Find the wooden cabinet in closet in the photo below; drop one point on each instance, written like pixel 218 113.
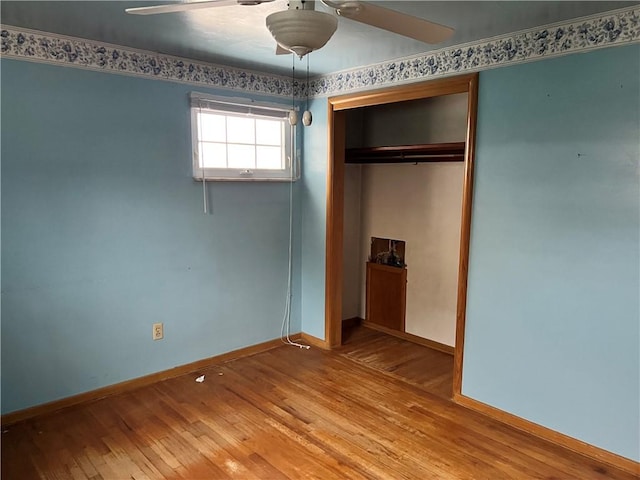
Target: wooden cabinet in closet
pixel 386 295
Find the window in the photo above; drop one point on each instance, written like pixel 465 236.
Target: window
pixel 240 141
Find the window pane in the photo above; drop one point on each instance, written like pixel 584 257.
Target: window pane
pixel 240 130
pixel 211 128
pixel 214 155
pixel 242 156
pixel 269 158
pixel 269 132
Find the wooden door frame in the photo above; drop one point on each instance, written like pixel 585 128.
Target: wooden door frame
pixel 338 107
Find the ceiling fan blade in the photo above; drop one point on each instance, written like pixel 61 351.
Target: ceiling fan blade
pixel 393 21
pixel 281 51
pixel 183 7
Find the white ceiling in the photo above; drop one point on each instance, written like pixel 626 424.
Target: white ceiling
pixel 237 35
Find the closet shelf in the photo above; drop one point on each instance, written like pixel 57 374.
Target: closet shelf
pixel 432 152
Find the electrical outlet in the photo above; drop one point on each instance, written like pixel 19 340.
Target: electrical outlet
pixel 158 331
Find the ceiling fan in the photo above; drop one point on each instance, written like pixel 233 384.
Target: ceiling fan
pixel 301 29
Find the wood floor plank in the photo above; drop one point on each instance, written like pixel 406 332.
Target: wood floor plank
pixel 375 409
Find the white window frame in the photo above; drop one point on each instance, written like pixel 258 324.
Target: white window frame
pixel 201 103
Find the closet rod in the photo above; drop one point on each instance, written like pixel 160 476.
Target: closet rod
pixel 432 152
pixel 409 158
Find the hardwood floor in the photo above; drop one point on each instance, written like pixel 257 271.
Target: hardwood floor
pixel 427 368
pixel 285 413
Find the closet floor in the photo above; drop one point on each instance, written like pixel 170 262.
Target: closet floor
pixel 422 366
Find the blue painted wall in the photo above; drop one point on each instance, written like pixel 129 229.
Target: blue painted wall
pixel 553 301
pixel 103 234
pixel 313 225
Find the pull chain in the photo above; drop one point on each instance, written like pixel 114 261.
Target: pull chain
pixel 293 115
pixel 307 118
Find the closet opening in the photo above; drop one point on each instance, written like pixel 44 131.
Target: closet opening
pixel 400 174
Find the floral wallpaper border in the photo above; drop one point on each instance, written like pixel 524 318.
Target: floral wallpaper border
pixel 25 44
pixel 616 27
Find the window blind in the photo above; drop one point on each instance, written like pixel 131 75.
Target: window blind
pixel 209 102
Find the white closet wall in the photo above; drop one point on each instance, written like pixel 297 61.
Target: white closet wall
pixel 420 204
pixel 433 120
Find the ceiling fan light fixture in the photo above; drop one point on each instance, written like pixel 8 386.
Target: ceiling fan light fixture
pixel 301 31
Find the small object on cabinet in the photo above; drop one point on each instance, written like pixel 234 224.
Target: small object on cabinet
pixel 387 251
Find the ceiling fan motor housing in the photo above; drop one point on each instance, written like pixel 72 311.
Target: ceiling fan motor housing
pixel 301 31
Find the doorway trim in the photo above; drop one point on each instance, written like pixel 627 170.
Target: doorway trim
pixel 337 113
